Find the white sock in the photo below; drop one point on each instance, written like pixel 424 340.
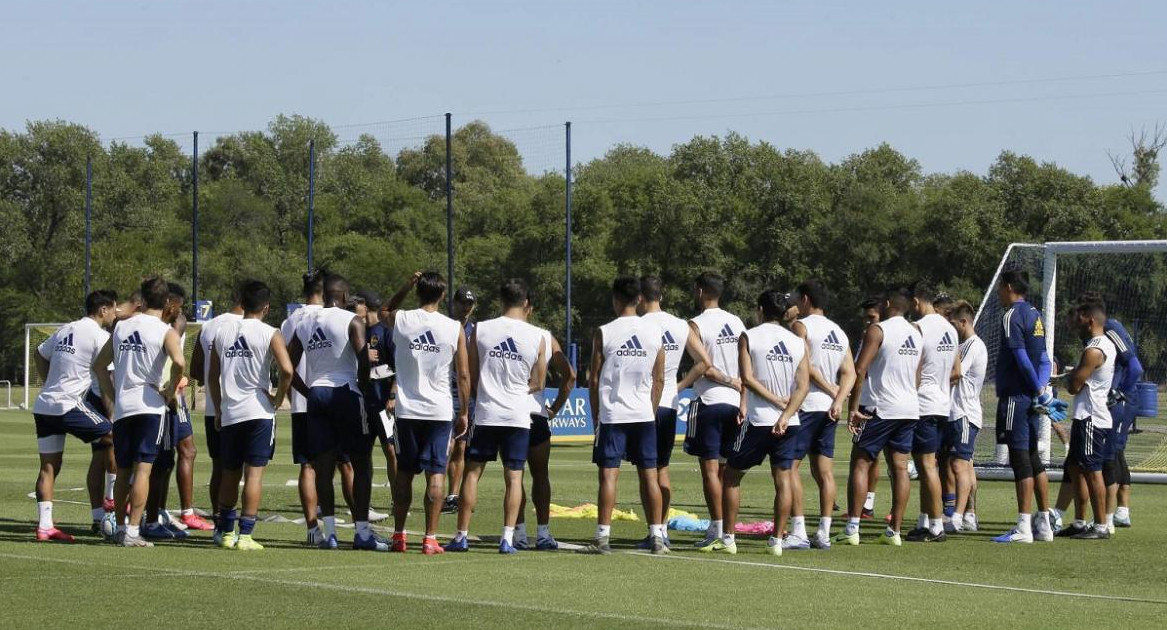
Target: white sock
pixel 922 521
pixel 603 531
pixel 1123 513
pixel 869 504
pixel 1025 523
pixel 188 511
pixel 329 525
pixel 798 526
pixel 659 530
pixel 97 513
pixel 773 542
pixel 543 531
pixel 363 529
pixel 890 532
pixel 508 535
pixel 1110 520
pixel 45 510
pixel 463 534
pixel 825 525
pixel 852 526
pixel 936 526
pixel 728 539
pixel 315 530
pixel 521 531
pixel 132 531
pixel 1079 523
pixel 715 529
pixel 319 511
pixel 110 478
pixel 958 520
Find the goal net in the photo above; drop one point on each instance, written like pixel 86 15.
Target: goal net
pixel 1132 277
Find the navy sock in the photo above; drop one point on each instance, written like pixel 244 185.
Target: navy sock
pixel 246 525
pixel 949 504
pixel 227 521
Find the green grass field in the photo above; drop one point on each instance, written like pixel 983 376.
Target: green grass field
pixel 967 582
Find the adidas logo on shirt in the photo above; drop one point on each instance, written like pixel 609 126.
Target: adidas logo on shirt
pixel 668 343
pixel 946 344
pixel 66 345
pixel 239 349
pixel 726 335
pixel 133 343
pixel 780 353
pixel 632 348
pixel 425 342
pixel 506 351
pixel 832 343
pixel 319 341
pixel 909 348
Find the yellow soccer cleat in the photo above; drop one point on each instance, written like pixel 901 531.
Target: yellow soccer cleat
pixel 246 543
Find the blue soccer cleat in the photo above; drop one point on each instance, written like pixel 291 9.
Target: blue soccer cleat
pixel 372 542
pixel 506 548
pixel 458 545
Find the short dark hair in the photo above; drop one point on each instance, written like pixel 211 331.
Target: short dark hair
pixel 335 286
pixel 313 283
pixel 1094 310
pixel 1016 279
pixel 814 290
pixel 626 289
pixel 155 293
pixel 899 299
pixel 711 284
pixel 651 288
pixel 135 296
pixel 773 304
pixel 962 310
pixel 431 286
pixel 1092 297
pixel 513 292
pixel 923 290
pixel 870 302
pixel 96 300
pixel 254 295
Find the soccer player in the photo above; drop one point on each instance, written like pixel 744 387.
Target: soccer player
pixel 65 363
pixel 1092 428
pixel 713 414
pixel 673 331
pixel 200 368
pixel 625 385
pixel 832 375
pixel 939 369
pixel 891 357
pixel 507 365
pixel 428 345
pixel 539 453
pixel 869 314
pixel 775 373
pixel 377 334
pixel 242 355
pixel 139 348
pixel 960 432
pixel 464 305
pixel 332 342
pixel 1022 383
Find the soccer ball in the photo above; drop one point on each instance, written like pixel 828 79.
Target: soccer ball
pixel 23 407
pixel 109 525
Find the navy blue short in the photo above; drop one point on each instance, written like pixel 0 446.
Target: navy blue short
pixel 878 433
pixel 960 437
pixel 177 428
pixel 628 441
pixel 98 405
pixel 212 437
pixel 816 434
pixel 666 435
pixel 299 437
pixel 1124 420
pixel 488 443
pixel 83 422
pixel 251 442
pixel 337 423
pixel 1088 445
pixel 182 425
pixel 1017 427
pixel 137 439
pixel 928 435
pixel 754 443
pixel 422 445
pixel 540 430
pixel 470 414
pixel 711 430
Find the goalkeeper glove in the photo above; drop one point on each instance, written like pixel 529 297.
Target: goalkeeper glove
pixel 1115 397
pixel 1057 410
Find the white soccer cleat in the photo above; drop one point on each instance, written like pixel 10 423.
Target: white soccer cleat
pixel 1042 532
pixel 1014 536
pixel 821 540
pixel 970 523
pixel 790 541
pixel 376 517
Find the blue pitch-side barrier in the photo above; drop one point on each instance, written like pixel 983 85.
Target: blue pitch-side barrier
pixel 574 422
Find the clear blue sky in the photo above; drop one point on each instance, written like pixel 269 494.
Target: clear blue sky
pixel 126 68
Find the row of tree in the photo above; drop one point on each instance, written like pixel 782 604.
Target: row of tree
pixel 760 215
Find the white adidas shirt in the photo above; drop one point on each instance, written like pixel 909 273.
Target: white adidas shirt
pixel 288 329
pixel 828 349
pixel 966 394
pixel 71 352
pixel 508 349
pixel 207 340
pixel 893 372
pixel 631 347
pixel 139 360
pixel 539 398
pixel 328 352
pixel 939 353
pixel 426 343
pixel 775 353
pixel 245 359
pixel 674 336
pixel 1090 401
pixel 719 331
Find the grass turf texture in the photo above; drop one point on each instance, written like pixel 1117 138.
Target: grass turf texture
pixel 95 585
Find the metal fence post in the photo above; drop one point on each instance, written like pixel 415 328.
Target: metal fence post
pixel 311 197
pixel 194 228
